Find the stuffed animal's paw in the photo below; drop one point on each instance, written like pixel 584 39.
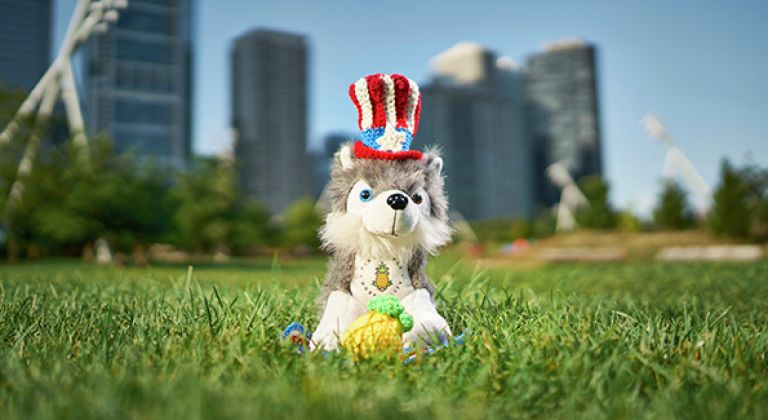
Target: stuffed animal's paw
pixel 430 328
pixel 340 311
pixel 324 340
pixel 427 322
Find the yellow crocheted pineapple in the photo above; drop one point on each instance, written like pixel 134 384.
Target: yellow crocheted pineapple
pixel 382 280
pixel 378 331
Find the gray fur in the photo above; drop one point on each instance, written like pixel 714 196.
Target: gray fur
pixel 341 267
pixel 405 175
pixel 416 271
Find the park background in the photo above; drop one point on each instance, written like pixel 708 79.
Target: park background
pixel 155 251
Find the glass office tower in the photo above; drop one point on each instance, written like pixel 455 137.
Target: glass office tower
pixel 269 112
pixel 25 42
pixel 473 110
pixel 563 116
pixel 138 79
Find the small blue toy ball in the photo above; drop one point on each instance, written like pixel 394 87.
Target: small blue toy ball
pixel 298 335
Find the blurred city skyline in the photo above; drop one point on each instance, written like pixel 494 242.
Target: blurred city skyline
pixel 699 68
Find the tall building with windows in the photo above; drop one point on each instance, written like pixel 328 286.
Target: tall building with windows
pixel 269 112
pixel 323 159
pixel 138 78
pixel 473 109
pixel 25 42
pixel 563 115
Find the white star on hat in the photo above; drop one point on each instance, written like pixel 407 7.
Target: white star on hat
pixel 391 140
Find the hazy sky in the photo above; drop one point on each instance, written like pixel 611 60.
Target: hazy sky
pixel 701 66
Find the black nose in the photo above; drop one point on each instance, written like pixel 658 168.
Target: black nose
pixel 397 201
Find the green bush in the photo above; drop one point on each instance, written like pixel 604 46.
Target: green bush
pixel 300 225
pixel 502 230
pixel 626 221
pixel 740 203
pixel 599 214
pixel 673 211
pixel 66 205
pixel 212 215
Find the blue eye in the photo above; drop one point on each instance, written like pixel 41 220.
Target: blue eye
pixel 366 195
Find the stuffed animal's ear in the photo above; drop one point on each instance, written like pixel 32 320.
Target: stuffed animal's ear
pixel 435 164
pixel 344 157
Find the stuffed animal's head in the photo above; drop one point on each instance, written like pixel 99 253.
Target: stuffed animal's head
pixel 387 201
pixel 386 208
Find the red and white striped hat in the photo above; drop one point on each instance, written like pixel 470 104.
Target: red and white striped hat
pixel 388 108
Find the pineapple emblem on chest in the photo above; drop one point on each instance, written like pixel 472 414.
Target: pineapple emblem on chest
pixel 382 280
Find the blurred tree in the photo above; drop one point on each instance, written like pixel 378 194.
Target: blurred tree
pixel 118 199
pixel 757 202
pixel 211 215
pixel 206 207
pixel 252 228
pixel 673 211
pixel 519 228
pixel 13 237
pixel 730 213
pixel 502 230
pixel 544 224
pixel 301 223
pixel 599 214
pixel 10 100
pixel 627 221
pixel 743 194
pixel 48 202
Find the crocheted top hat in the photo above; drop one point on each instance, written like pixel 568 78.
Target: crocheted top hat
pixel 388 108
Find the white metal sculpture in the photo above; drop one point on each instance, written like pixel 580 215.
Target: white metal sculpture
pixel 58 81
pixel 676 164
pixel 571 197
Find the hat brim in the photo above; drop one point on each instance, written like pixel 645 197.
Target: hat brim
pixel 364 152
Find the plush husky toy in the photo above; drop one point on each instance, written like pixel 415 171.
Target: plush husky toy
pixel 388 214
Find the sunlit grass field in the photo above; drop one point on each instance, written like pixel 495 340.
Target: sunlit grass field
pixel 645 340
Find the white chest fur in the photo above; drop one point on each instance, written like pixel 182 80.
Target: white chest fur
pixel 374 277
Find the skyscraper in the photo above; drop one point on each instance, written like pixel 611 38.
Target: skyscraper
pixel 473 110
pixel 25 42
pixel 269 112
pixel 563 117
pixel 324 158
pixel 138 78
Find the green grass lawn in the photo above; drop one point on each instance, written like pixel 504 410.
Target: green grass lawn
pixel 625 340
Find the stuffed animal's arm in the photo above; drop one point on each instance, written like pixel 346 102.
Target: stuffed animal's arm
pixel 416 271
pixel 427 322
pixel 340 310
